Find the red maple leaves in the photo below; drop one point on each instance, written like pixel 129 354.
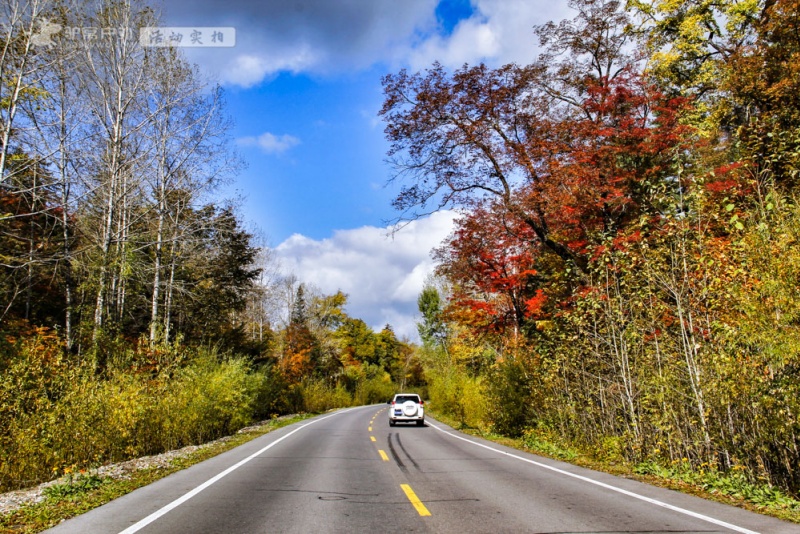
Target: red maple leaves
pixel 578 186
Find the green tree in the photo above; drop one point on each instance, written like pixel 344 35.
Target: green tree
pixel 433 329
pixel 221 275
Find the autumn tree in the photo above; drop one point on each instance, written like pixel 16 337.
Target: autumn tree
pixel 30 239
pixel 490 262
pixel 326 316
pixel 357 343
pixel 630 206
pixel 56 132
pixel 763 84
pixel 24 34
pixel 572 148
pixel 300 353
pixel 114 76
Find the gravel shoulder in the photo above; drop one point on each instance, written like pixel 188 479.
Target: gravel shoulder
pixel 14 500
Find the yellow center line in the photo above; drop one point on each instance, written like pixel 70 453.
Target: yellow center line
pixel 415 500
pixel 372 438
pixel 370 429
pixel 383 455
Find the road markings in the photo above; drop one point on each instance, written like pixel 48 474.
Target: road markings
pixel 383 455
pixel 370 429
pixel 604 485
pixel 415 500
pixel 180 500
pixel 372 438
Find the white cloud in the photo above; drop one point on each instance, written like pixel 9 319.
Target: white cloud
pixel 246 71
pixel 315 36
pixel 321 37
pixel 471 41
pixel 249 69
pixel 498 32
pixel 270 143
pixel 381 274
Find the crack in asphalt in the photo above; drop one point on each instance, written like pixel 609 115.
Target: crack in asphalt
pixel 327 492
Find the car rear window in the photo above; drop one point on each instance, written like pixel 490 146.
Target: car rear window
pixel 404 398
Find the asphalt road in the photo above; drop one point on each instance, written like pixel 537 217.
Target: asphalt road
pixel 350 472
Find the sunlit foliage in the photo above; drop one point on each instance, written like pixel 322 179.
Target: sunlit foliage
pixel 626 260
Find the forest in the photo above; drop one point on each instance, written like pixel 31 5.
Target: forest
pixel 623 278
pixel 139 313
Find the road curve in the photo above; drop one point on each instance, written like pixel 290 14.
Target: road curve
pixel 350 472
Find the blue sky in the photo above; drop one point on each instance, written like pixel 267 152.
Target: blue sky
pixel 303 88
pixel 322 168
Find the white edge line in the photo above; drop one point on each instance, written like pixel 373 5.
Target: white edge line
pixel 604 485
pixel 180 500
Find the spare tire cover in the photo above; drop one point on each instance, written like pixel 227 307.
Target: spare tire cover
pixel 409 408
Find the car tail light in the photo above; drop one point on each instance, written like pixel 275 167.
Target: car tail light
pixel 422 403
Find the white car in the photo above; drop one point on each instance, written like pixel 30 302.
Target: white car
pixel 406 407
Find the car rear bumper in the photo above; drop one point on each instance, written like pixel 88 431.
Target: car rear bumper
pixel 401 418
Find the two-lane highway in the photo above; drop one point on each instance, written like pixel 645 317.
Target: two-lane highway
pixel 350 472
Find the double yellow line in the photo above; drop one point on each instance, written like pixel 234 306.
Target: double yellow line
pixel 412 497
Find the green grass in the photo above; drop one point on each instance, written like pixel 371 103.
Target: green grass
pixel 81 493
pixel 732 484
pixel 73 487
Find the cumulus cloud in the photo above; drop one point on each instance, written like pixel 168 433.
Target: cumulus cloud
pixel 381 274
pixel 498 32
pixel 320 36
pixel 312 36
pixel 270 143
pixel 249 69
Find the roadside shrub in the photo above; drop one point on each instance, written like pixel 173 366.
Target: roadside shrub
pixel 545 442
pixel 319 397
pixel 58 415
pixel 375 390
pixel 274 396
pixel 509 392
pixel 100 420
pixel 36 377
pixel 733 482
pixel 461 396
pixel 208 399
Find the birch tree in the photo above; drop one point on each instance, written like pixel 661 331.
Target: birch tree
pixel 57 135
pixel 188 138
pixel 117 77
pixel 24 27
